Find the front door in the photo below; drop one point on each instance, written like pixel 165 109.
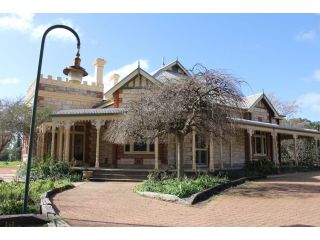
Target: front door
pixel 78 152
pixel 77 142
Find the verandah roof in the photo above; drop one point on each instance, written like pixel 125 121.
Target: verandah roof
pixel 277 128
pixel 89 111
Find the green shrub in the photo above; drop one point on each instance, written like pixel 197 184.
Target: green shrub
pixel 11 195
pixel 49 169
pixel 169 184
pixel 261 167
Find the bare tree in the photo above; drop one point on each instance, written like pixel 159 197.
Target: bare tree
pixel 287 108
pixel 205 102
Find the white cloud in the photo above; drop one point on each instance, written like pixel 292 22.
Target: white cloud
pixel 18 22
pixel 316 75
pixel 122 71
pixel 9 81
pixel 310 101
pixel 307 36
pixel 25 23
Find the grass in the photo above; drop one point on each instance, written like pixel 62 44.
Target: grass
pixel 182 188
pixel 4 164
pixel 11 195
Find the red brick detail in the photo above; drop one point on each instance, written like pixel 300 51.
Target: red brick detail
pixel 41 87
pixel 25 143
pixel 116 98
pixel 138 161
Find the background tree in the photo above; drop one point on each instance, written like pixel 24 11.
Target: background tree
pixel 205 102
pixel 287 108
pixel 305 146
pixel 15 118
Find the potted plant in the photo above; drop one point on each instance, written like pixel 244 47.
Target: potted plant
pixel 87 174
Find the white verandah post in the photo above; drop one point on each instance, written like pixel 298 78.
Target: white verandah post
pixel 194 163
pixel 316 149
pixel 53 138
pixel 98 124
pixel 295 136
pixel 250 133
pixel 67 126
pixel 211 160
pixel 275 147
pixel 156 153
pixel 60 142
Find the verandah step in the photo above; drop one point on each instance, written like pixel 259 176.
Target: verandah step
pixel 115 180
pixel 119 177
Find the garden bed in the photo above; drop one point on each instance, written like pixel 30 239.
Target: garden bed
pixel 187 190
pixel 181 188
pixel 11 195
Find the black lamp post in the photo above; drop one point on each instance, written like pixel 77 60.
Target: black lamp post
pixel 34 108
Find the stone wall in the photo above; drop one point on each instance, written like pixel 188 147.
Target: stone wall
pixel 57 94
pixel 140 160
pixel 233 159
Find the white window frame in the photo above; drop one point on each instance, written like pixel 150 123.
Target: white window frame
pixel 138 152
pixel 203 150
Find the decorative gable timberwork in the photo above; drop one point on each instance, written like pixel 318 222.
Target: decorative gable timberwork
pixel 259 108
pixel 131 89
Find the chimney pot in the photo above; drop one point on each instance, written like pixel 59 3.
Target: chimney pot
pixel 115 78
pixel 99 64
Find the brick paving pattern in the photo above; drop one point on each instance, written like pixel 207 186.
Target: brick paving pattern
pixel 290 200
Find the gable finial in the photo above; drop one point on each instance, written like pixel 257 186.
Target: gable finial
pixel 138 63
pixel 177 59
pixel 163 62
pixel 262 90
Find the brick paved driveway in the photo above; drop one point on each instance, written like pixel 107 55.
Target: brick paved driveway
pixel 8 173
pixel 291 200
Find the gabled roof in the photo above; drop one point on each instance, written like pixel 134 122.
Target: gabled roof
pixel 129 77
pixel 251 101
pixel 162 72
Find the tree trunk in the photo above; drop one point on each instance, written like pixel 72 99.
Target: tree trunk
pixel 180 159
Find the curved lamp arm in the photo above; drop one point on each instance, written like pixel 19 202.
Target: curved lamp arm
pixel 34 107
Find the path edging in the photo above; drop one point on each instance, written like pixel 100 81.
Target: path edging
pixel 200 196
pixel 47 209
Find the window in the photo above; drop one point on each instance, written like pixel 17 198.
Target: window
pixel 260 144
pixel 201 150
pixel 139 148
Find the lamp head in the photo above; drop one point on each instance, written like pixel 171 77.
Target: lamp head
pixel 75 72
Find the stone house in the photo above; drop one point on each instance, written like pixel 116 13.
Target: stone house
pixel 82 112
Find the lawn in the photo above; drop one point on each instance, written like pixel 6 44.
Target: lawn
pixel 9 164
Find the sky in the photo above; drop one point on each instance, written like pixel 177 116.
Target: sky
pixel 274 53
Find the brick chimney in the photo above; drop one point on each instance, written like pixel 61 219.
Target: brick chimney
pixel 99 64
